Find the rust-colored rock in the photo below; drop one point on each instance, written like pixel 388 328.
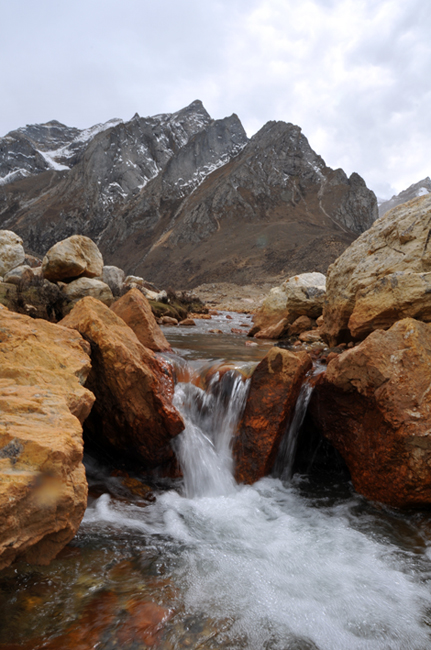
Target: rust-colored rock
pixel 374 405
pixel 43 490
pixel 302 324
pixel 275 386
pixel 187 322
pixel 273 331
pixel 135 310
pixel 313 336
pixel 134 388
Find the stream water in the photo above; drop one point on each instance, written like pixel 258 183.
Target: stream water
pixel 285 564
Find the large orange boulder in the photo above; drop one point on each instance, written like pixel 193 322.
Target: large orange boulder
pixel 135 310
pixel 274 389
pixel 133 413
pixel 43 490
pixel 374 405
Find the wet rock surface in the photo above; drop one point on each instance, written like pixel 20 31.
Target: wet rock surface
pixel 133 414
pixel 374 406
pixel 275 386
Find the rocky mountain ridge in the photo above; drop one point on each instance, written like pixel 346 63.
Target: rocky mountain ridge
pixel 183 199
pixel 416 189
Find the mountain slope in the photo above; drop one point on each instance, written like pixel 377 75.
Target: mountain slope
pixel 412 192
pixel 183 199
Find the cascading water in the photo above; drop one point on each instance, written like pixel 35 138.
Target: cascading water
pixel 204 447
pixel 284 569
pixel 272 566
pixel 283 466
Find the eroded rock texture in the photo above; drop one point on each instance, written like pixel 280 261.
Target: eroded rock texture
pixel 43 490
pixel 384 276
pixel 133 413
pixel 135 310
pixel 182 199
pixel 374 405
pixel 275 386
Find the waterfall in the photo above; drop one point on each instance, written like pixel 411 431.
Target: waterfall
pixel 283 466
pixel 204 447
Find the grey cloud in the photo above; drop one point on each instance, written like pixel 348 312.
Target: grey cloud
pixel 86 62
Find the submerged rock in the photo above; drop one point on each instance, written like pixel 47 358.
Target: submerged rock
pixel 275 386
pixel 43 490
pixel 135 310
pixel 384 276
pixel 133 413
pixel 73 257
pixel 374 405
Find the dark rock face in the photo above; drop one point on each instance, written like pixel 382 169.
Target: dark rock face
pixel 417 189
pixel 183 199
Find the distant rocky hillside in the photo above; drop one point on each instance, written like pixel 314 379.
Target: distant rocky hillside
pixel 181 198
pixel 417 189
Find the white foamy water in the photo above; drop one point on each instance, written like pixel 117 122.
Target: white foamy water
pixel 284 571
pixel 277 569
pixel 204 447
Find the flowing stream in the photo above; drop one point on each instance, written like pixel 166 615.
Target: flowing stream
pixel 284 564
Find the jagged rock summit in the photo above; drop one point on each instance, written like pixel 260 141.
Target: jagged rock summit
pixel 183 199
pixel 421 188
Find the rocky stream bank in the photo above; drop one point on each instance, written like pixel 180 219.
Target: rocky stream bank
pixel 92 358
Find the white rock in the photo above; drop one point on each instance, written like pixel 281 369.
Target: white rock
pixel 11 251
pixel 135 280
pixel 300 295
pixel 88 287
pixel 76 256
pixel 19 274
pixel 113 277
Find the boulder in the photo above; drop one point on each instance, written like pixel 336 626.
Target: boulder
pixel 133 414
pixel 19 274
pixel 135 280
pixel 384 276
pixel 114 278
pixel 273 331
pixel 83 287
pixel 11 251
pixel 374 405
pixel 187 322
pixel 305 295
pixel 301 324
pixel 168 320
pixel 274 389
pixel 135 310
pixel 76 256
pixel 43 490
pixel 300 295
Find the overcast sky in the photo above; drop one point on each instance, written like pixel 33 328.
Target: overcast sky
pixel 355 75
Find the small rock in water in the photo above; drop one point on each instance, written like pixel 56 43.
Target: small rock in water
pixel 237 330
pixel 167 320
pixel 215 331
pixel 187 322
pixel 251 344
